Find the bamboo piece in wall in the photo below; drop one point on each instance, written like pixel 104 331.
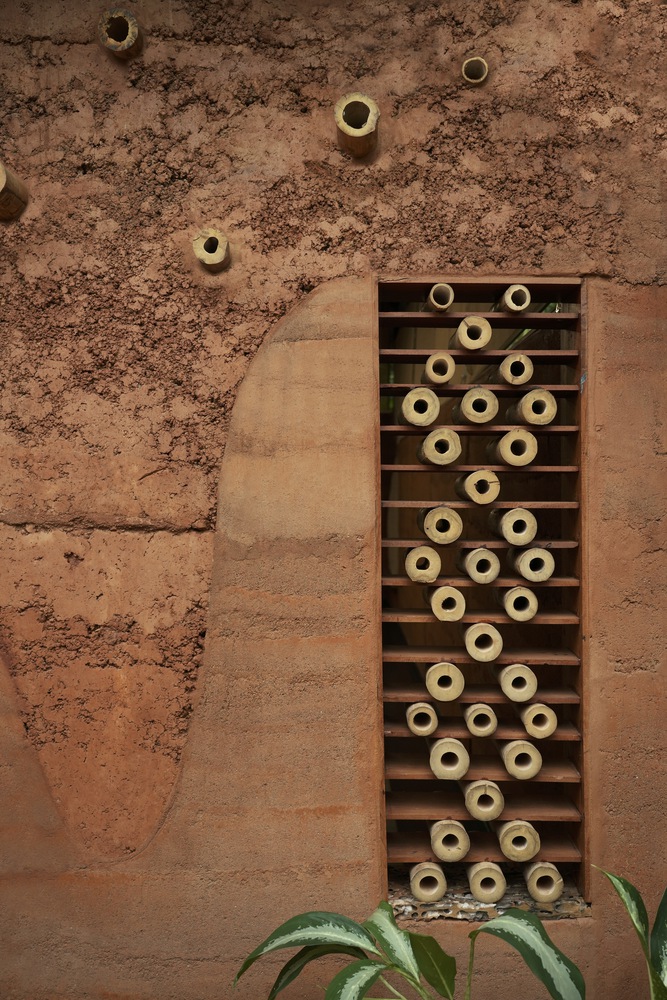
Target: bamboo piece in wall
pixel 520 603
pixel 518 839
pixel 487 882
pixel 423 564
pixel 539 720
pixel 521 759
pixel 422 718
pixel 449 840
pixel 544 881
pixel 449 759
pixel 445 681
pixel 441 525
pixel 516 526
pixel 517 681
pixel 427 882
pixel 480 719
pixel 483 800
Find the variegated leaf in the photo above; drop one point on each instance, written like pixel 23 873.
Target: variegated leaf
pixel 634 904
pixel 659 941
pixel 298 962
pixel 436 966
pixel 524 932
pixel 316 928
pixel 394 942
pixel 354 981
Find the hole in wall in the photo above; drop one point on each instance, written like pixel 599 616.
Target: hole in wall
pixel 211 244
pixel 356 114
pixel 118 28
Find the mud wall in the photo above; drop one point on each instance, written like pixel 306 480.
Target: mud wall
pixel 122 360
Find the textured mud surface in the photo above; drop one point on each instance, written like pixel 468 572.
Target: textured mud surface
pixel 121 358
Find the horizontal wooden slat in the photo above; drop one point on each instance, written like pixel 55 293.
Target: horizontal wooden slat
pixel 421 803
pixel 449 389
pixel 490 543
pixel 489 428
pixel 465 581
pixel 498 320
pixel 456 469
pixel 566 732
pixel 495 617
pixel 409 692
pixel 496 505
pixel 422 654
pixel 416 768
pixel 415 847
pixel 401 286
pixel 408 355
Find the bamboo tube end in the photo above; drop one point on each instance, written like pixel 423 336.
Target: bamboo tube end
pixel 439 368
pixel 441 447
pixel 518 447
pixel 515 299
pixel 543 881
pixel 519 840
pixel 481 487
pixel 441 525
pixel 447 604
pixel 483 642
pixel 427 882
pixel 521 759
pixel 517 526
pixel 211 248
pixel 538 407
pixel 472 334
pixel 420 407
pixel 540 721
pixel 475 70
pixel 516 369
pixel 449 759
pixel 13 194
pixel 119 33
pixel 480 719
pixel 445 681
pixel 487 882
pixel 449 840
pixel 520 604
pixel 535 565
pixel 423 564
pixel 357 117
pixel 518 682
pixel 484 800
pixel 481 565
pixel 421 718
pixel 477 406
pixel 440 297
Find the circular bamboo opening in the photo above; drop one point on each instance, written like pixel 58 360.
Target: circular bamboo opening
pixel 356 116
pixel 483 642
pixel 520 604
pixel 441 447
pixel 427 882
pixel 516 369
pixel 487 882
pixel 211 248
pixel 482 486
pixel 544 882
pixel 423 564
pixel 440 297
pixel 472 334
pixel 447 603
pixel 439 368
pixel 421 718
pixel 518 682
pixel 521 759
pixel 420 407
pixel 449 840
pixel 475 70
pixel 445 681
pixel 484 800
pixel 480 719
pixel 518 839
pixel 449 759
pixel 535 565
pixel 441 524
pixel 540 721
pixel 119 33
pixel 515 299
pixel 477 406
pixel 481 565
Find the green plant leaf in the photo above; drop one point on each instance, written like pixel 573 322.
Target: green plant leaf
pixel 634 904
pixel 436 966
pixel 298 962
pixel 659 941
pixel 394 942
pixel 354 980
pixel 524 932
pixel 316 928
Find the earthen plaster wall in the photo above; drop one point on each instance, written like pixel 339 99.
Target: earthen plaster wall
pixel 128 868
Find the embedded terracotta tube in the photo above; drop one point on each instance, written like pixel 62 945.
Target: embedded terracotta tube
pixel 516 369
pixel 481 565
pixel 440 297
pixel 427 882
pixel 543 881
pixel 535 565
pixel 444 681
pixel 449 759
pixel 519 840
pixel 472 334
pixel 357 116
pixel 483 642
pixel 419 407
pixel 540 721
pixel 537 407
pixel 478 406
pixel 441 447
pixel 480 719
pixel 211 247
pixel 517 526
pixel 423 564
pixel 487 882
pixel 515 299
pixel 482 486
pixel 484 800
pixel 449 840
pixel 520 603
pixel 441 525
pixel 13 194
pixel 422 718
pixel 521 759
pixel 517 447
pixel 447 603
pixel 439 368
pixel 475 70
pixel 517 682
pixel 119 33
